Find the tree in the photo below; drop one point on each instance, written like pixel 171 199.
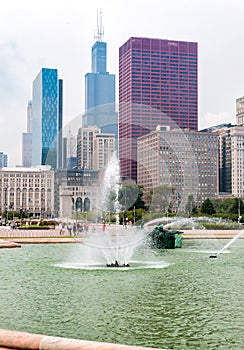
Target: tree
pixel 237 206
pixel 130 196
pixel 162 198
pixel 207 207
pixel 190 205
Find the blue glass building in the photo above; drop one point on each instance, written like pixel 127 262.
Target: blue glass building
pixel 100 93
pixel 100 85
pixel 47 119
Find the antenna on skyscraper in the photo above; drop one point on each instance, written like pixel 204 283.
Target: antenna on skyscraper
pixel 100 28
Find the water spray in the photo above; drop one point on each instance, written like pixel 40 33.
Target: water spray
pixel 227 245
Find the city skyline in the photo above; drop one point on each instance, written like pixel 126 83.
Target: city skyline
pixel 60 36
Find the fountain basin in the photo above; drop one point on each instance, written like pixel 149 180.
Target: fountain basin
pixel 23 340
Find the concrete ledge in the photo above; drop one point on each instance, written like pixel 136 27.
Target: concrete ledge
pixel 44 240
pixel 14 340
pixel 8 244
pixel 20 340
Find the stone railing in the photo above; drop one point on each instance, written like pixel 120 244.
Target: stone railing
pixel 14 340
pixel 8 233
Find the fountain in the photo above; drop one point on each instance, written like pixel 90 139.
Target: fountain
pixel 116 242
pixel 213 256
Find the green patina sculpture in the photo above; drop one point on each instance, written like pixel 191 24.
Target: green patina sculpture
pixel 161 238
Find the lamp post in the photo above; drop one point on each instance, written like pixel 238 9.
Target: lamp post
pixel 239 210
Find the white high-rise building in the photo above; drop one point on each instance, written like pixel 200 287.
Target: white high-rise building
pixel 94 149
pixel 231 155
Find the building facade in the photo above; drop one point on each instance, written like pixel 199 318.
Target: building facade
pixel 186 161
pixel 26 149
pixel 27 139
pixel 231 155
pixel 70 151
pixel 76 190
pixel 94 149
pixel 3 160
pixel 27 189
pixel 47 119
pixel 158 85
pixel 104 148
pixel 240 111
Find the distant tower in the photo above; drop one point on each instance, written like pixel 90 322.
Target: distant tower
pixel 27 139
pixel 100 88
pixel 3 160
pixel 47 119
pixel 29 117
pixel 71 150
pixel 240 111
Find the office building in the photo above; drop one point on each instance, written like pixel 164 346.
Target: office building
pixel 158 85
pixel 47 119
pixel 186 161
pixel 240 111
pixel 94 148
pixel 3 160
pixel 231 160
pixel 100 90
pixel 69 151
pixel 27 139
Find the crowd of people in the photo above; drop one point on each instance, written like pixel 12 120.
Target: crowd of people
pixel 73 229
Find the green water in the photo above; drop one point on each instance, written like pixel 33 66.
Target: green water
pixel 193 303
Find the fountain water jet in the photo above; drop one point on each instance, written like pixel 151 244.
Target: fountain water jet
pixel 116 243
pixel 227 245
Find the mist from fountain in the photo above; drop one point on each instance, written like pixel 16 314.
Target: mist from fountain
pixel 117 243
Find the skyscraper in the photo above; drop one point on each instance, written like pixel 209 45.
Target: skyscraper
pixel 94 149
pixel 3 160
pixel 240 111
pixel 47 119
pixel 27 139
pixel 100 90
pixel 158 85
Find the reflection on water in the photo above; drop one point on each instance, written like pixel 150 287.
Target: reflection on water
pixel 188 302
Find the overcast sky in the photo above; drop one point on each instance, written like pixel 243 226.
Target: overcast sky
pixel 59 34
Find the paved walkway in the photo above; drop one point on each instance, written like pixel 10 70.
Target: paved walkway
pixel 13 238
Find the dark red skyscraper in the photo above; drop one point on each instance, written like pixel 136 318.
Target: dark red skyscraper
pixel 157 86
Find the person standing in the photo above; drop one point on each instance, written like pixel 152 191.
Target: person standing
pixel 103 225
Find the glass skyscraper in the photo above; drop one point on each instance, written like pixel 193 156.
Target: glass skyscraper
pixel 158 85
pixel 3 160
pixel 47 119
pixel 100 93
pixel 100 85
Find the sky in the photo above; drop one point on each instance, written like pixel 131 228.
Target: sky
pixel 60 33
